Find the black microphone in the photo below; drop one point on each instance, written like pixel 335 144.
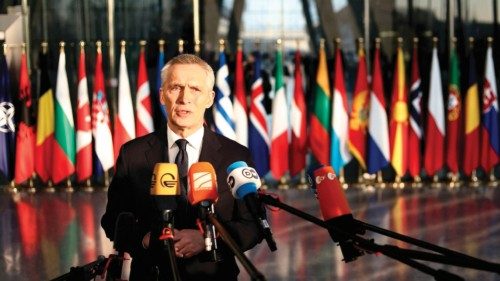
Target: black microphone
pixel 203 192
pixel 244 182
pixel 119 268
pixel 336 211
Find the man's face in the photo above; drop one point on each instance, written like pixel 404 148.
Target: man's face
pixel 186 95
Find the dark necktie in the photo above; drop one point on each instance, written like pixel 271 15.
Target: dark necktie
pixel 181 160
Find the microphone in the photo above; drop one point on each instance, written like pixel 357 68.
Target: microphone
pixel 244 182
pixel 120 266
pixel 336 211
pixel 165 190
pixel 202 191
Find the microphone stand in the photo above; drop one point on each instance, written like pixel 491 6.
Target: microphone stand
pixel 403 255
pixel 167 236
pixel 250 268
pixel 86 272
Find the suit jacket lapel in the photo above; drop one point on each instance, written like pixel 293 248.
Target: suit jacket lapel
pixel 210 149
pixel 157 151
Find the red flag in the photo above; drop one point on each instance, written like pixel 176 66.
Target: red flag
pixel 83 125
pixel 298 147
pixel 434 135
pixel 415 132
pixel 240 101
pixel 25 139
pixel 124 126
pixel 144 109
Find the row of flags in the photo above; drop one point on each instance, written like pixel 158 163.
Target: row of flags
pixel 61 145
pixel 375 135
pixel 371 130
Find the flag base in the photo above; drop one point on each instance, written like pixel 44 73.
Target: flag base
pixel 436 182
pixel 302 181
pixel 88 186
pixel 417 182
pixel 474 179
pixel 398 183
pixel 494 182
pixel 283 185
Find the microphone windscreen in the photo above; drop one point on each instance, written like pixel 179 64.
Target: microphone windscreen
pixel 242 180
pixel 331 196
pixel 124 230
pixel 202 183
pixel 165 180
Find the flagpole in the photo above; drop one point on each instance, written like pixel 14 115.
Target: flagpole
pixel 88 186
pixel 380 180
pixel 31 184
pixel 474 179
pixel 302 181
pixel 196 24
pixel 12 187
pixel 180 44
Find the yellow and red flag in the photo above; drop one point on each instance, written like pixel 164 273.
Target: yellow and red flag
pixel 398 126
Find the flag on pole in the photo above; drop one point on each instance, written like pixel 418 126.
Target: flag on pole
pixel 83 124
pixel 25 137
pixel 240 101
pixel 258 141
pixel 435 132
pixel 415 133
pixel 490 148
pixel 64 146
pixel 101 130
pixel 280 123
pixel 45 121
pixel 319 134
pixel 378 132
pixel 161 63
pixel 144 110
pixel 7 127
pixel 124 127
pixel 398 126
pixel 454 112
pixel 223 107
pixel 339 155
pixel 472 120
pixel 358 119
pixel 298 114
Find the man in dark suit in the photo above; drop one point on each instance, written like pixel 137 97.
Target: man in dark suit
pixel 186 92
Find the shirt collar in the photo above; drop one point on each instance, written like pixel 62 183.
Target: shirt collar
pixel 194 140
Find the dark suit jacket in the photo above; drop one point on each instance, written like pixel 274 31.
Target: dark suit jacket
pixel 129 191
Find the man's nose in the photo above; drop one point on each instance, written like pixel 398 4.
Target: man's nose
pixel 183 96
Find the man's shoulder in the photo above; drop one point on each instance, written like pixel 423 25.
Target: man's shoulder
pixel 141 143
pixel 229 144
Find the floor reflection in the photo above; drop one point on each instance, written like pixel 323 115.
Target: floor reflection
pixel 43 235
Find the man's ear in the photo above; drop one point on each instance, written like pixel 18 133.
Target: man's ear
pixel 211 99
pixel 162 101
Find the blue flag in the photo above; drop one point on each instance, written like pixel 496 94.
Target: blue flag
pixel 7 128
pixel 258 141
pixel 161 63
pixel 223 106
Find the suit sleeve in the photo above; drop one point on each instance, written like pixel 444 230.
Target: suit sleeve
pixel 120 199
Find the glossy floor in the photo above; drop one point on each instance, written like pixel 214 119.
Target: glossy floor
pixel 43 235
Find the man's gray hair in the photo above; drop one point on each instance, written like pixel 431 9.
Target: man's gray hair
pixel 189 59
